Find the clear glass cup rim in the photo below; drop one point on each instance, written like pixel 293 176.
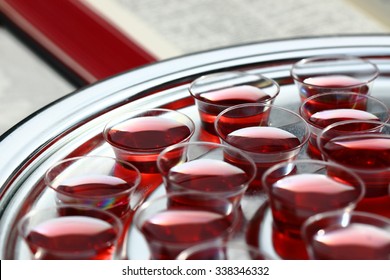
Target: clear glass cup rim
pixel 212 145
pixel 369 97
pixel 319 163
pixel 125 117
pixel 340 218
pixel 143 207
pixel 345 217
pixel 138 176
pixel 331 126
pixel 271 106
pixel 114 220
pixel 233 74
pixel 335 57
pixel 220 245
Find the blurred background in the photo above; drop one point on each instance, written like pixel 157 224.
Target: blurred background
pixel 167 28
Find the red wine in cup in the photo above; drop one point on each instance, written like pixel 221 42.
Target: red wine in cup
pixel 210 102
pixel 73 237
pixel 103 191
pixel 320 84
pixel 370 152
pixel 208 176
pixel 140 140
pixel 297 197
pixel 327 117
pixel 324 118
pixel 262 140
pixel 355 242
pixel 288 247
pixel 171 231
pixel 329 101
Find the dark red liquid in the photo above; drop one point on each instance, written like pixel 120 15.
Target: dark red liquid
pixel 324 118
pixel 331 101
pixel 73 237
pixel 262 140
pixel 140 140
pixel 354 242
pixel 205 136
pixel 321 84
pixel 208 176
pixel 287 247
pixel 297 197
pixel 225 253
pixel 368 151
pixel 102 191
pixel 224 98
pixel 169 232
pixel 365 152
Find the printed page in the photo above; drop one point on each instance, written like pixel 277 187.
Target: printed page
pixel 173 27
pixel 379 10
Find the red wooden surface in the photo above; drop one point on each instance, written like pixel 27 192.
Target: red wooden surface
pixel 78 37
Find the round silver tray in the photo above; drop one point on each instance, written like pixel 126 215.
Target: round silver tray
pixel 72 125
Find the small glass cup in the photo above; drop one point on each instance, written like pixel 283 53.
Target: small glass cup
pixel 364 147
pixel 140 136
pixel 174 222
pixel 71 232
pixel 214 93
pixel 222 251
pixel 321 74
pixel 324 109
pixel 302 188
pixel 102 182
pixel 208 168
pixel 269 134
pixel 345 235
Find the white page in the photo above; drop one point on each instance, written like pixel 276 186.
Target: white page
pixel 172 27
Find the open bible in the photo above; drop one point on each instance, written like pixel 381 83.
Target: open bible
pixel 94 39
